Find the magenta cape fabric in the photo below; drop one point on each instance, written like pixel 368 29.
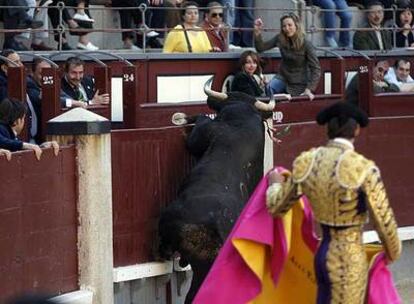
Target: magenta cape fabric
pixel 230 280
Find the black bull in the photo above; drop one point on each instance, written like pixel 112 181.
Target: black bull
pixel 230 149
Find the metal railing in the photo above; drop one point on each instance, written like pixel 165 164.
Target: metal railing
pixel 144 28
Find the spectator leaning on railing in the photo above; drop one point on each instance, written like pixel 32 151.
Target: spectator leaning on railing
pixel 12 120
pixel 78 90
pixel 12 56
pixel 299 68
pixel 376 39
pixel 188 37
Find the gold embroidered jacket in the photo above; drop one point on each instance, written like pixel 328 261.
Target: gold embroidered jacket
pixel 342 186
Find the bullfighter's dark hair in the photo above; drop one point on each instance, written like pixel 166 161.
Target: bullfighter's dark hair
pixel 256 58
pixel 76 61
pixel 346 130
pixel 6 53
pixel 11 109
pixel 185 5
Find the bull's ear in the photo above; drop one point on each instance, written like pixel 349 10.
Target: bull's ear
pixel 215 104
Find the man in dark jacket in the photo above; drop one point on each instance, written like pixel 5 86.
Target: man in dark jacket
pixel 78 89
pixel 375 39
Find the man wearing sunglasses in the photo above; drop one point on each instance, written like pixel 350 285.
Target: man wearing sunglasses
pixel 379 82
pixel 214 26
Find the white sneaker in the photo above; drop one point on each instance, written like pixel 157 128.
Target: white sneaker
pixel 83 17
pixel 151 34
pixel 234 47
pixel 45 2
pixel 88 47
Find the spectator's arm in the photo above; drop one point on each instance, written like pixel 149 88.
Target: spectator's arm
pixel 12 145
pixel 314 66
pixel 262 46
pixel 68 102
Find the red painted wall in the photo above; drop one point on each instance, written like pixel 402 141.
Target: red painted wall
pixel 148 166
pixel 38 221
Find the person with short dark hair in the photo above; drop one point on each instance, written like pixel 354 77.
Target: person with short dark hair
pixel 188 37
pixel 12 56
pixel 343 188
pixel 404 18
pixel 214 26
pixel 376 39
pixel 79 90
pixel 249 79
pixel 12 120
pixel 399 75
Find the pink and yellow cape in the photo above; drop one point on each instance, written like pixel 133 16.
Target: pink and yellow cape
pixel 270 260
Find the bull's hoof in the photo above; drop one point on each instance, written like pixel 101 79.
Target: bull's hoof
pixel 179 119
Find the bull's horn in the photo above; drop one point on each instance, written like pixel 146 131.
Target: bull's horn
pixel 209 92
pixel 264 106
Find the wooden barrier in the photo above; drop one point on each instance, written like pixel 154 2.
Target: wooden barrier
pixel 38 223
pixel 16 88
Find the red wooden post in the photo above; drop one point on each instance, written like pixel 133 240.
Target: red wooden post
pixel 16 88
pixel 51 106
pixel 365 90
pixel 130 94
pixel 16 82
pixel 102 76
pixel 338 76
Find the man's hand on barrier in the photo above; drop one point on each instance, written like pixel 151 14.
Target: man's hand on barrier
pixel 35 148
pixel 100 99
pixel 6 153
pixel 308 93
pixel 51 144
